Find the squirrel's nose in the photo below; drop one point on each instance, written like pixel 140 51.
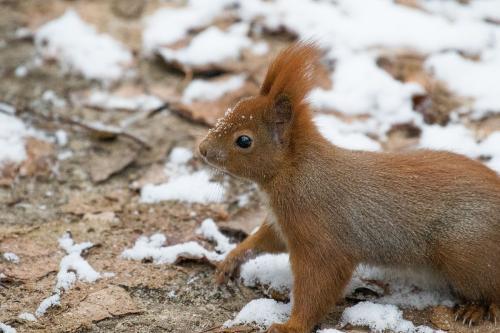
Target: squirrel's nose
pixel 203 148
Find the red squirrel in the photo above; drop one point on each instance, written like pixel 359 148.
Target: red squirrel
pixel 332 208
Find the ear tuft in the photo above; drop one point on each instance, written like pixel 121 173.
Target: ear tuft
pixel 292 72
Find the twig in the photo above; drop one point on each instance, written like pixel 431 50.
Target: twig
pixel 88 127
pixel 118 132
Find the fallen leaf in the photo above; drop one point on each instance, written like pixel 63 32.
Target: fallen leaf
pixel 37 259
pixel 154 175
pixel 245 219
pixel 487 126
pixel 33 269
pixel 401 137
pixel 105 303
pixel 8 173
pixel 40 158
pixel 130 9
pixel 110 159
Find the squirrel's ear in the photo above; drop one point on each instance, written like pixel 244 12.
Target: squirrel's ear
pixel 281 117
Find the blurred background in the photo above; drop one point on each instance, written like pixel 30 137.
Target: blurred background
pixel 102 104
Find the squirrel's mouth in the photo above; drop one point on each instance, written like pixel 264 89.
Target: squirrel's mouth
pixel 217 165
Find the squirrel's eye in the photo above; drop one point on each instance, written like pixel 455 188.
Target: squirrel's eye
pixel 244 141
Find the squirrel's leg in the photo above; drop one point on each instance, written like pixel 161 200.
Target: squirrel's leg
pixel 266 239
pixel 317 286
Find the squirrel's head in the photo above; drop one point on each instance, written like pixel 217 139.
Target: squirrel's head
pixel 260 134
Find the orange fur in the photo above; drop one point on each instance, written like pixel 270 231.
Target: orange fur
pixel 333 208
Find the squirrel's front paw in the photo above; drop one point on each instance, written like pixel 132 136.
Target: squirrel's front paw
pixel 228 268
pixel 282 328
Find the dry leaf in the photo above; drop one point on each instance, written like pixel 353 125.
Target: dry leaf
pixel 154 175
pixel 109 160
pixel 8 173
pixel 130 9
pixel 487 126
pixel 106 303
pixel 246 220
pixel 402 137
pixel 40 158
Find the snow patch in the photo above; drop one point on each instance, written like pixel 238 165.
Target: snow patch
pixel 385 99
pixel 168 25
pixel 12 134
pixel 349 136
pixel 61 137
pixel 6 328
pixel 180 156
pixel 210 231
pixel 71 268
pixel 12 257
pixel 193 188
pixel 184 185
pixel 380 317
pixel 405 288
pixel 104 100
pixel 211 46
pixel 272 270
pixel 152 248
pixel 459 139
pixel 48 303
pixel 206 90
pixel 479 80
pixel 262 312
pixel 94 55
pixel 27 316
pixel 355 25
